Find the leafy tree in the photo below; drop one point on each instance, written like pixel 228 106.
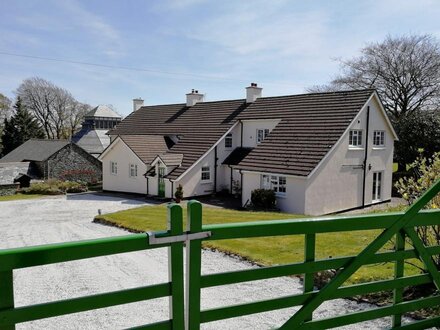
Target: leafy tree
pixel 405 71
pixel 55 109
pixel 21 127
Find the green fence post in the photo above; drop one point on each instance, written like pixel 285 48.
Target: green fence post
pixel 6 295
pixel 175 268
pixel 309 255
pixel 193 264
pixel 398 273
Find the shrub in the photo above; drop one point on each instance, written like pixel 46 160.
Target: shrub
pixel 263 199
pixel 426 173
pixel 179 192
pixel 55 187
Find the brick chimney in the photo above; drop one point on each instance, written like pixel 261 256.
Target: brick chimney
pixel 253 92
pixel 137 103
pixel 193 98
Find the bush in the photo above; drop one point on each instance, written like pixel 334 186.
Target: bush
pixel 263 199
pixel 55 187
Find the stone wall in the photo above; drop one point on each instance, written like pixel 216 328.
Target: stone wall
pixel 73 163
pixel 8 189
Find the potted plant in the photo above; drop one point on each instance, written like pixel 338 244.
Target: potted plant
pixel 178 194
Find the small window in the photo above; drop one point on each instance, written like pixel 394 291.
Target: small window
pixel 355 138
pixel 262 134
pixel 206 173
pixel 276 183
pixel 133 170
pixel 379 138
pixel 228 141
pixel 114 168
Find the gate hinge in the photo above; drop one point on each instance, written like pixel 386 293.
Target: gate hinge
pixel 153 240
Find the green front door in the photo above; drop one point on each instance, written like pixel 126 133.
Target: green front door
pixel 161 190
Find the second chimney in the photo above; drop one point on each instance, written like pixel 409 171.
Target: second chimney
pixel 137 104
pixel 193 98
pixel 253 92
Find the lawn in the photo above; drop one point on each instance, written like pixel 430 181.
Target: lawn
pixel 265 251
pixel 18 197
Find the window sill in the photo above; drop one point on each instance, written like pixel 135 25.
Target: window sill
pixel 356 148
pixel 280 195
pixel 379 148
pixel 205 182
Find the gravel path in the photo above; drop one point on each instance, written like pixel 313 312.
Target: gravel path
pixel 61 219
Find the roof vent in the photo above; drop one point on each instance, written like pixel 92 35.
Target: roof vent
pixel 253 92
pixel 193 98
pixel 137 104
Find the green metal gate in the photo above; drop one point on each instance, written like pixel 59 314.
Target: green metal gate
pixel 187 313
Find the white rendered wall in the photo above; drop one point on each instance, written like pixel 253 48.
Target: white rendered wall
pixel 123 156
pixel 250 130
pixel 337 184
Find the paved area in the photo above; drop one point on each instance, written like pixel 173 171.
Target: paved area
pixel 61 219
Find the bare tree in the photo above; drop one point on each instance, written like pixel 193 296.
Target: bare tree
pixel 52 106
pixel 77 112
pixel 404 70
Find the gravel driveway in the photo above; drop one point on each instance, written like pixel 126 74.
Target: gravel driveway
pixel 61 219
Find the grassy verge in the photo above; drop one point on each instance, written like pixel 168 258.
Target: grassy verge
pixel 18 197
pixel 264 251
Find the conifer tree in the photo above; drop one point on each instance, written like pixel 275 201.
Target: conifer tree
pixel 21 127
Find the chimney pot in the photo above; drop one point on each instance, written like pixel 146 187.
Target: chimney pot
pixel 137 104
pixel 253 93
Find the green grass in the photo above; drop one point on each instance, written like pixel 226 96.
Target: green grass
pixel 268 250
pixel 18 197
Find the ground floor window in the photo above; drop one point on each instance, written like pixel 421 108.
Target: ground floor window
pixel 275 182
pixel 206 173
pixel 377 186
pixel 133 170
pixel 114 168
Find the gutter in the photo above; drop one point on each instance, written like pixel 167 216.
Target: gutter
pixel 365 156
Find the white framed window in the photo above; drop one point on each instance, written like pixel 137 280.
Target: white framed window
pixel 228 141
pixel 262 134
pixel 379 138
pixel 133 170
pixel 275 182
pixel 377 187
pixel 206 173
pixel 355 138
pixel 114 168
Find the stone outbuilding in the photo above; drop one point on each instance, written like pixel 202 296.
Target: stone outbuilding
pixel 57 159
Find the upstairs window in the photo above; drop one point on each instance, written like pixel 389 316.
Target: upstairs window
pixel 228 141
pixel 355 138
pixel 379 138
pixel 114 168
pixel 206 173
pixel 262 134
pixel 133 170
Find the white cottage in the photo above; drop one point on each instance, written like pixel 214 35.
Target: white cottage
pixel 320 152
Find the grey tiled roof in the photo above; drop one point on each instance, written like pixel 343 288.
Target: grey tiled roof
pixel 35 150
pixel 146 147
pixel 93 141
pixel 102 111
pixel 10 171
pixel 310 124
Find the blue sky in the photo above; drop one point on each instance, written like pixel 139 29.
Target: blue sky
pixel 217 47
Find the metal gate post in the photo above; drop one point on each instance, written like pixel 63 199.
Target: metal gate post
pixel 175 268
pixel 193 266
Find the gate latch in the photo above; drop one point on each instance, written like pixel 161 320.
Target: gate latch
pixel 153 240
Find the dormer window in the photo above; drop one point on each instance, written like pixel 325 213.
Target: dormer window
pixel 262 134
pixel 355 138
pixel 228 141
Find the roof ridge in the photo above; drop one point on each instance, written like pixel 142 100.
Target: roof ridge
pixel 321 93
